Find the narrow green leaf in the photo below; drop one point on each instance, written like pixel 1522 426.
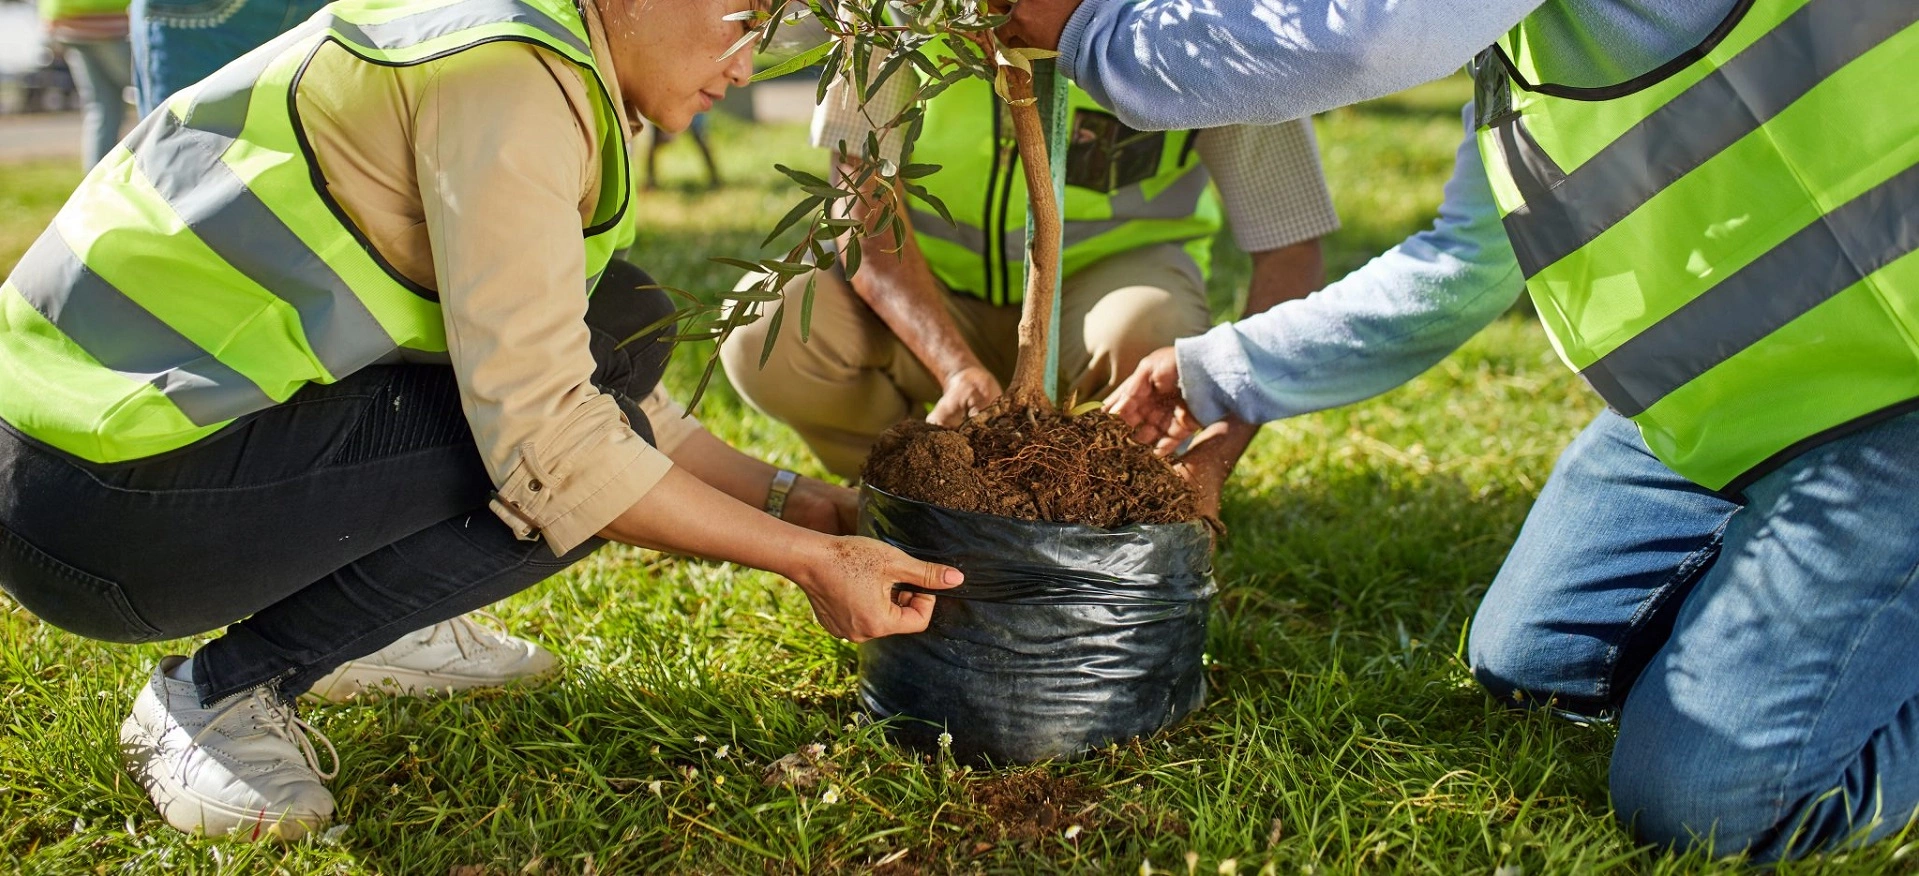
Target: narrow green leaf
pixel 833 192
pixel 806 309
pixel 772 334
pixel 785 268
pixel 931 200
pixel 831 68
pixel 739 44
pixel 742 264
pixel 699 389
pixel 851 256
pixel 796 63
pixel 799 176
pixel 799 211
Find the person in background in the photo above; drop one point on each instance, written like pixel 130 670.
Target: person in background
pixel 660 138
pixel 936 323
pixel 1711 202
pixel 92 36
pixel 328 358
pixel 179 42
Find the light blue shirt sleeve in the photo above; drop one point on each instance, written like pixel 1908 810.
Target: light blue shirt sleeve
pixel 1377 328
pixel 1167 64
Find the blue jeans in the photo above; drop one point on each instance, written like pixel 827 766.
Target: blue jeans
pixel 317 531
pixel 1762 660
pixel 102 70
pixel 179 42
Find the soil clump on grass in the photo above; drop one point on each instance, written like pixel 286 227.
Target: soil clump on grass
pixel 1032 464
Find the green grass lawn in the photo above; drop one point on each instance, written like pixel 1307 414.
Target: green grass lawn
pixel 1343 735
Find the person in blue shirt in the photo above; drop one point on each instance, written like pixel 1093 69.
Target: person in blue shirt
pixel 1758 656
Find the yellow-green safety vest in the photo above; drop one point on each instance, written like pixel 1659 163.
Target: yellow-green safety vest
pixel 202 272
pixel 1724 246
pixel 1125 189
pixel 55 10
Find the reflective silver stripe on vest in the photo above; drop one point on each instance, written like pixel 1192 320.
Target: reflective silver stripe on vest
pixel 411 30
pixel 1703 121
pixel 220 105
pixel 123 336
pixel 1822 260
pixel 184 166
pixel 1178 200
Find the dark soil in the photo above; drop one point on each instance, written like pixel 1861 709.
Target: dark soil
pixel 1033 464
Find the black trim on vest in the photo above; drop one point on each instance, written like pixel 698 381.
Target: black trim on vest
pixel 1186 149
pixel 318 178
pixel 1638 83
pixel 1736 491
pixel 987 247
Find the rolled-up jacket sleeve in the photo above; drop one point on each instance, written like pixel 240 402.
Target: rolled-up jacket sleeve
pixel 505 151
pixel 1378 327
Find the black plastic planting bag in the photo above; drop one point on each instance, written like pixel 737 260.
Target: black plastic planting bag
pixel 1063 638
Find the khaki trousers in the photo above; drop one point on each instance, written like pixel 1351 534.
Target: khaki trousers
pixel 853 378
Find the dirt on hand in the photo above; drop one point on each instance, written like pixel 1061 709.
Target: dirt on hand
pixel 1033 464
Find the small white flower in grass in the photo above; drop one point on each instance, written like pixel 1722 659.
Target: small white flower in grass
pixel 1072 831
pixel 700 739
pixel 946 741
pixel 831 796
pixel 656 786
pixel 1192 862
pixel 721 754
pixel 1229 867
pixel 816 751
pixel 719 780
pixel 1145 867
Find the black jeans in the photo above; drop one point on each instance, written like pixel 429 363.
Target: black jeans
pixel 321 529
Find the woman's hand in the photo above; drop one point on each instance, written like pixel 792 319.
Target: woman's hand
pixel 823 507
pixel 853 585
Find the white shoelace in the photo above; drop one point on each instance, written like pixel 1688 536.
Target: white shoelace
pixel 463 631
pixel 280 721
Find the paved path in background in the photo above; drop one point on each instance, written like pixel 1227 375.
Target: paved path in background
pixel 39 135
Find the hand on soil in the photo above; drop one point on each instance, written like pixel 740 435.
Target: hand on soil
pixel 967 392
pixel 1150 402
pixel 853 586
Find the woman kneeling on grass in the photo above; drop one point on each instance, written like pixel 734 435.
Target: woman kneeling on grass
pixel 312 354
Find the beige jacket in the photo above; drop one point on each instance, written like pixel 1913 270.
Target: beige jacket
pixel 471 175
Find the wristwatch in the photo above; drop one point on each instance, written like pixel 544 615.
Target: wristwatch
pixel 783 482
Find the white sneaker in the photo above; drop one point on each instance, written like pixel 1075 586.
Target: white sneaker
pixel 244 767
pixel 454 655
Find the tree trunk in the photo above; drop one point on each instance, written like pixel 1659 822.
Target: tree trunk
pixel 1028 386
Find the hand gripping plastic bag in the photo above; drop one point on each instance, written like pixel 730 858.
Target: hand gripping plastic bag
pixel 1063 638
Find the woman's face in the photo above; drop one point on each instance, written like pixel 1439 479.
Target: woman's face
pixel 668 53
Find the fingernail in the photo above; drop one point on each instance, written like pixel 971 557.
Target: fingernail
pixel 953 577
